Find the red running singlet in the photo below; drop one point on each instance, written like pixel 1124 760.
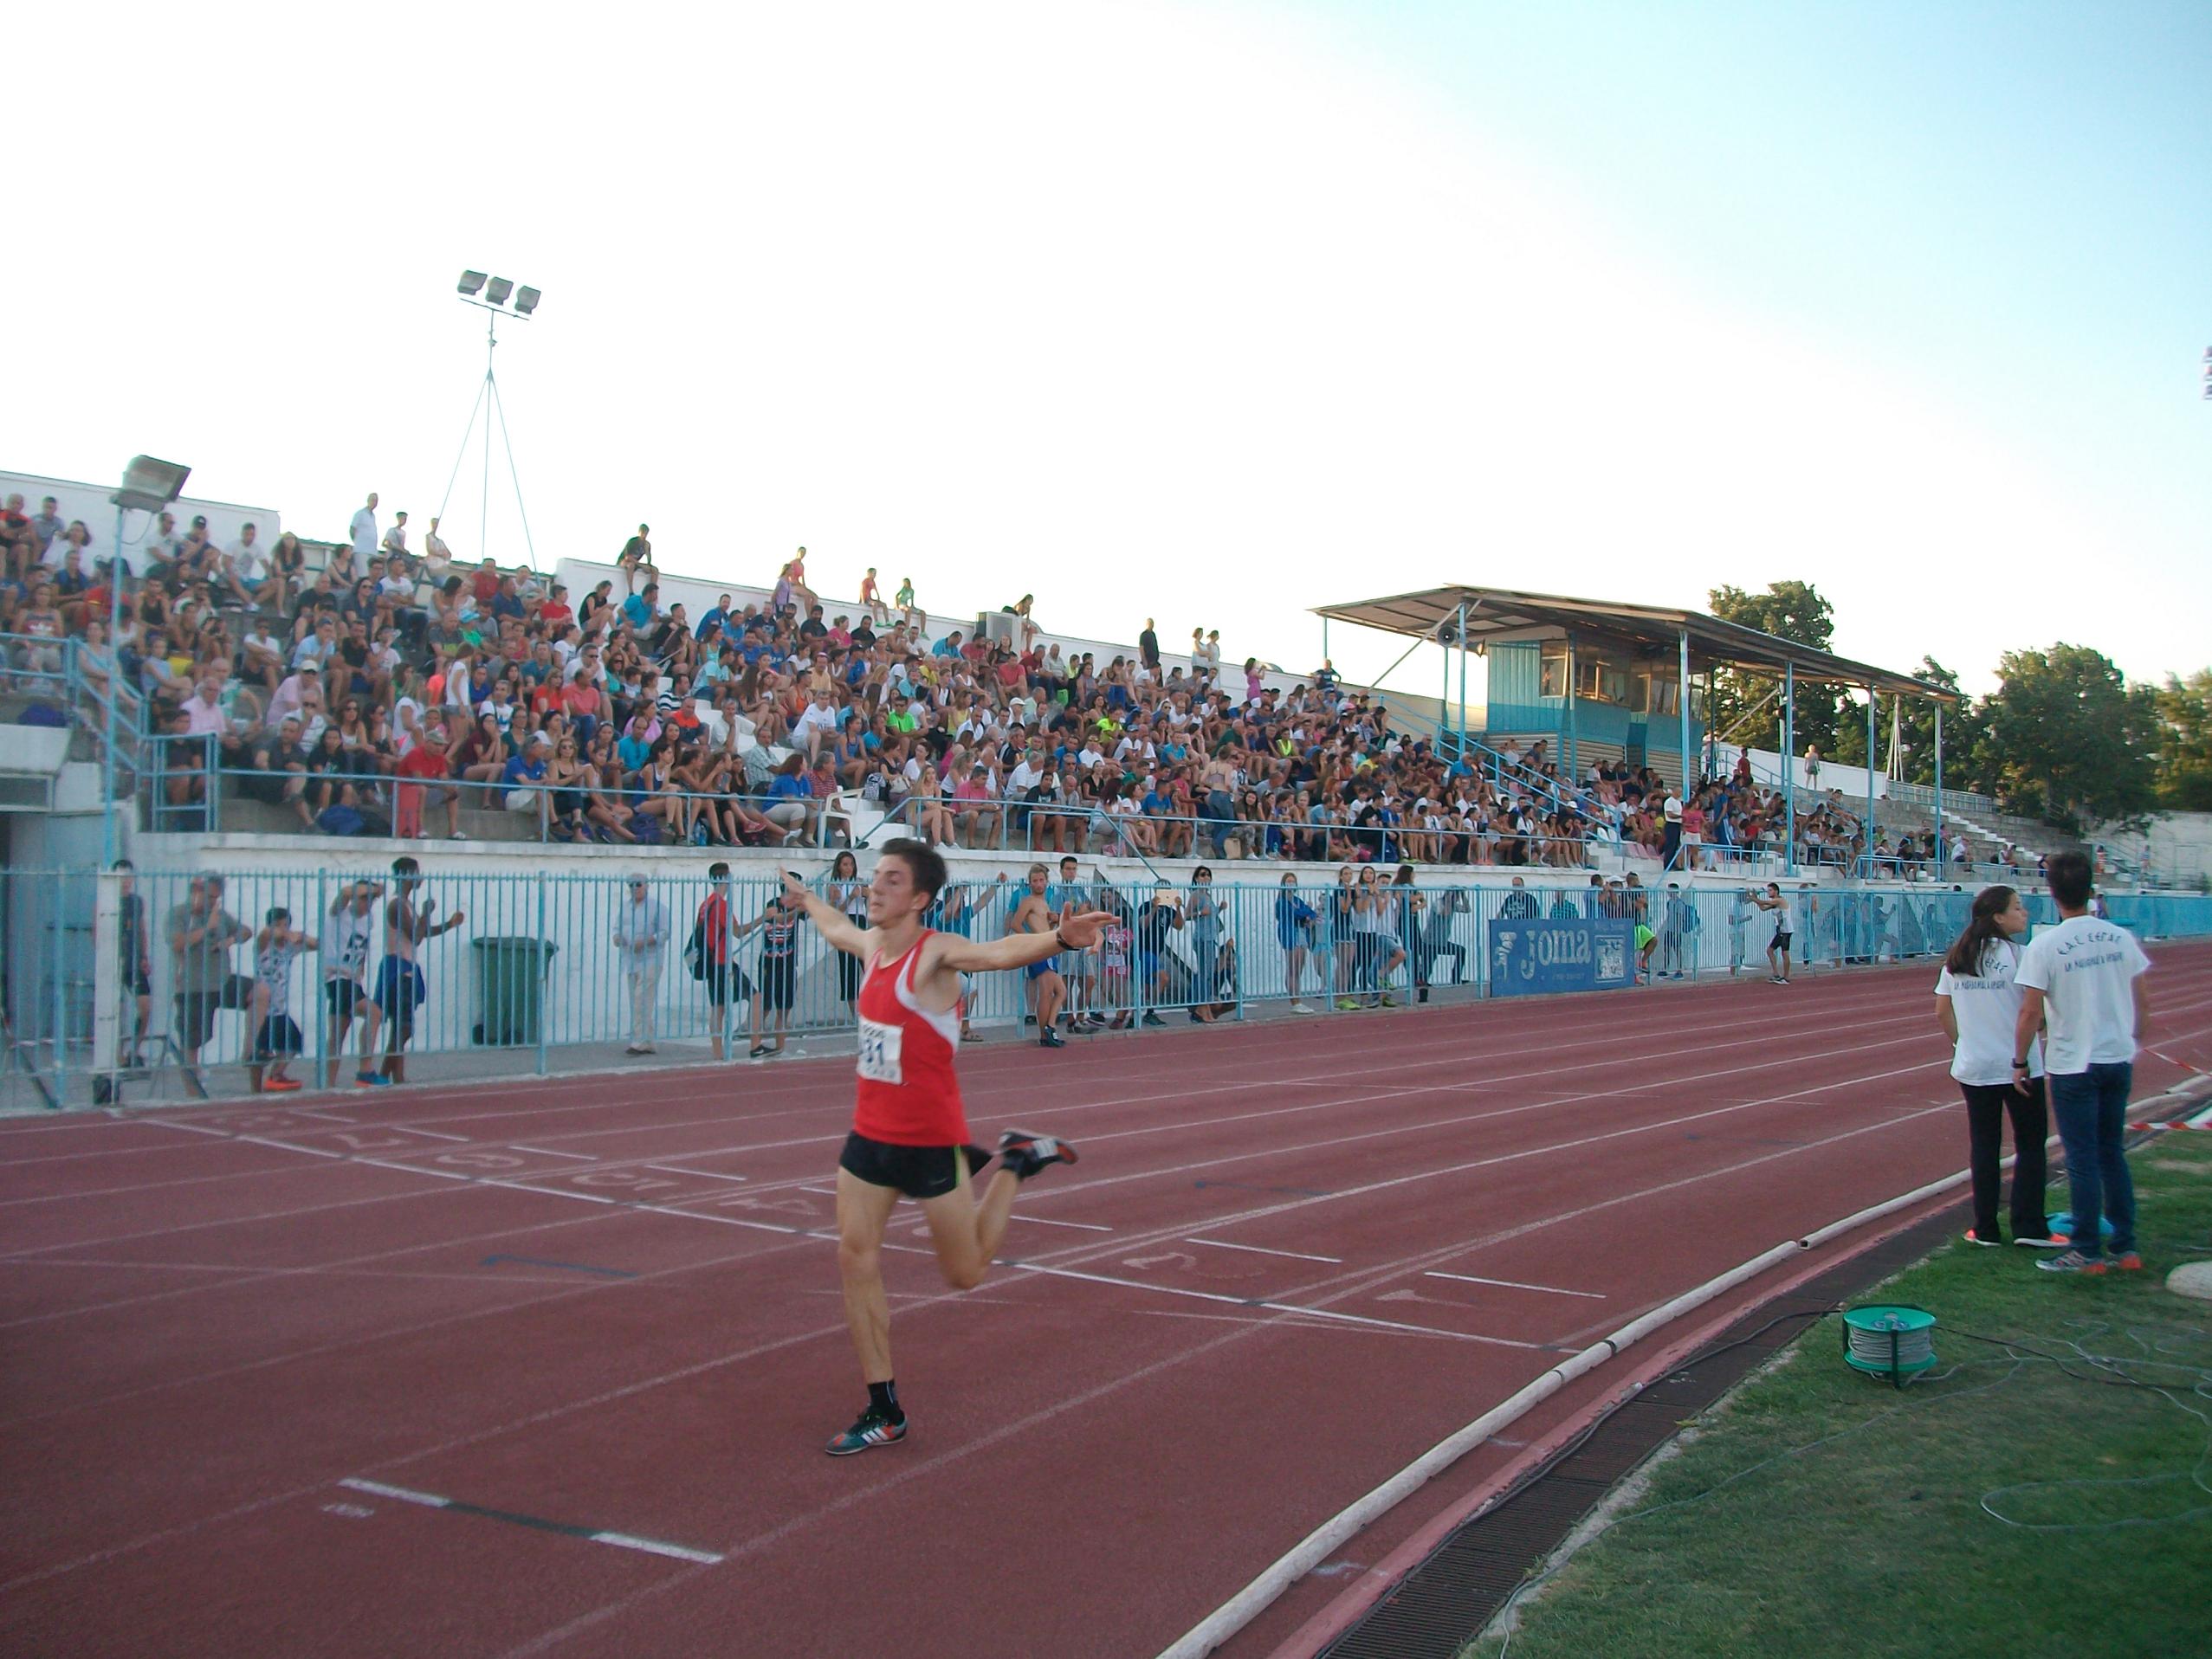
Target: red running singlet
pixel 909 1094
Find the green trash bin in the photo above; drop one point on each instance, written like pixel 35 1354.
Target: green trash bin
pixel 509 981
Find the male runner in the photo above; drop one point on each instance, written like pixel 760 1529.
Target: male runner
pixel 910 1129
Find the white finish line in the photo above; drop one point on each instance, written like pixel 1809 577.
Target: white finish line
pixel 536 1523
pixel 1515 1284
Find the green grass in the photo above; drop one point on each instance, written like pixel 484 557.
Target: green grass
pixel 1876 1543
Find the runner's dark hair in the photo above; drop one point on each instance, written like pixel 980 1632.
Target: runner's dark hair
pixel 922 863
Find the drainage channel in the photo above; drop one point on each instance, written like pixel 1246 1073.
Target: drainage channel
pixel 1443 1604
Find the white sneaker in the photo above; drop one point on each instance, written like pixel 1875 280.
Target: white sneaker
pixel 1301 1008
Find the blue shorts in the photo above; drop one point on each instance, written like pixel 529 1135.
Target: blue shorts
pixel 1050 965
pixel 400 990
pixel 1147 964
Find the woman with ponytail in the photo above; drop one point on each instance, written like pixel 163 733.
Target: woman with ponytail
pixel 1978 1005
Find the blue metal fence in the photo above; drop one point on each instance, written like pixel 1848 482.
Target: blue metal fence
pixel 194 975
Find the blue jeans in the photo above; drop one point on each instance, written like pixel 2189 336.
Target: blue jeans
pixel 2091 1107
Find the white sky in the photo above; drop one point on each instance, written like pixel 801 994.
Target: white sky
pixel 1147 309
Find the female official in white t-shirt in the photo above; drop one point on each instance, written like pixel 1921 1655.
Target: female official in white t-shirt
pixel 1977 1005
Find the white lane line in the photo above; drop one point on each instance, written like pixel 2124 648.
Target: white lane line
pixel 702 1175
pixel 1046 1221
pixel 654 1546
pixel 820 1192
pixel 378 1488
pixel 547 1151
pixel 1256 1249
pixel 1273 1306
pixel 435 1135
pixel 1516 1284
pixel 619 1541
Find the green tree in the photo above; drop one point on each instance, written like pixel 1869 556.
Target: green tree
pixel 2069 740
pixel 2185 743
pixel 1746 705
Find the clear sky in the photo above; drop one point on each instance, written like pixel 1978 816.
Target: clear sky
pixel 1209 313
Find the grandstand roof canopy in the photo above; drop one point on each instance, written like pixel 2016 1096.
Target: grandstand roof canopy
pixel 1501 614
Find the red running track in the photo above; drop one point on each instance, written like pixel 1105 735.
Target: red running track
pixel 1295 1255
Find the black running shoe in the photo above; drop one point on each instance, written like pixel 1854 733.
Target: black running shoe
pixel 1051 1039
pixel 1026 1154
pixel 871 1429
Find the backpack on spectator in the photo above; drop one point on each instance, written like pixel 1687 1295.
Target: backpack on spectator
pixel 694 953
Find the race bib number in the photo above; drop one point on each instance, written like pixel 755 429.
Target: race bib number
pixel 879 1052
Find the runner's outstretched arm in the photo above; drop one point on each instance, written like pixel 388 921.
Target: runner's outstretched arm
pixel 1020 950
pixel 829 922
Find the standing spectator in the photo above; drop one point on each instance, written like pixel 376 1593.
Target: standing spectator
pixel 133 950
pixel 1774 904
pixel 712 934
pixel 850 894
pixel 1154 921
pixel 1519 904
pixel 1294 929
pixel 1034 914
pixel 1977 1005
pixel 201 932
pixel 641 935
pixel 276 1033
pixel 2081 984
pixel 1445 910
pixel 363 533
pixel 395 540
pixel 1203 917
pixel 400 987
pixel 1678 930
pixel 346 939
pixel 779 928
pixel 1148 648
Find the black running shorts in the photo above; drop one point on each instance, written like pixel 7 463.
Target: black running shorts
pixel 918 1171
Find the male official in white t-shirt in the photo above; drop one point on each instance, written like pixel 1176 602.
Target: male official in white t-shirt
pixel 2081 984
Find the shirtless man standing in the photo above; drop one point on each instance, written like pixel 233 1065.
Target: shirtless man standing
pixel 400 989
pixel 1034 915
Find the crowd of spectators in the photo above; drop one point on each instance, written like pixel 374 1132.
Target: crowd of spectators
pixel 385 690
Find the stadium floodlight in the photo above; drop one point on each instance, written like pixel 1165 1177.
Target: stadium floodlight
pixel 150 484
pixel 471 281
pixel 526 300
pixel 501 287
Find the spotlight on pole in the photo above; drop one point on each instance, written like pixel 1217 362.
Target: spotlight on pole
pixel 501 287
pixel 471 281
pixel 150 484
pixel 526 300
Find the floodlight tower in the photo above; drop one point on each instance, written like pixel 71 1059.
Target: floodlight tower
pixel 497 292
pixel 148 485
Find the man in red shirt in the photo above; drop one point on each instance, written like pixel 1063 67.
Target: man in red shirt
pixel 910 1128
pixel 424 770
pixel 555 612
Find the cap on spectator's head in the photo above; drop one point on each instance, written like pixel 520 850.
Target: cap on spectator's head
pixel 199 521
pixel 541 740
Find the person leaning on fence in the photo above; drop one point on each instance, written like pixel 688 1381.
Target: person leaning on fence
pixel 134 960
pixel 850 894
pixel 1203 918
pixel 276 1033
pixel 2081 984
pixel 778 926
pixel 200 934
pixel 347 937
pixel 710 958
pixel 1444 910
pixel 1294 927
pixel 641 937
pixel 1977 1005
